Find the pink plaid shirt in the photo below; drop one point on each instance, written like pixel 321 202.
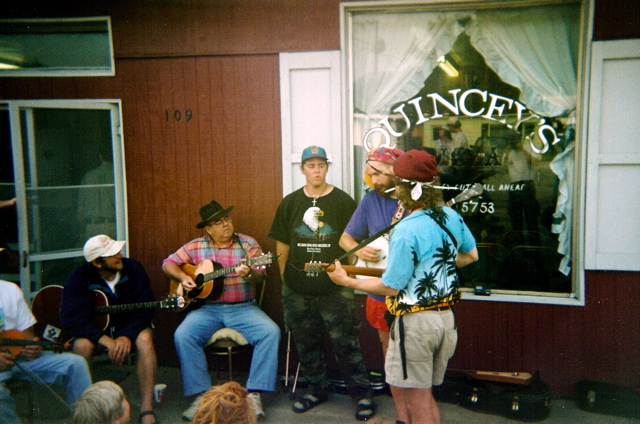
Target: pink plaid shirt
pixel 236 288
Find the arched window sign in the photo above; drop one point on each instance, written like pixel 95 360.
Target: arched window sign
pixel 492 93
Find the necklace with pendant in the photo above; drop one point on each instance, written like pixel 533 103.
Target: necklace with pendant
pixel 315 198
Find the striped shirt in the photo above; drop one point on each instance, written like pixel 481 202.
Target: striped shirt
pixel 236 288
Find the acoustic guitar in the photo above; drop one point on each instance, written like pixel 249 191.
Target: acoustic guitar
pixel 209 278
pixel 47 303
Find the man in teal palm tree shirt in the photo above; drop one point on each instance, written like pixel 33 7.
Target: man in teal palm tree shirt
pixel 421 285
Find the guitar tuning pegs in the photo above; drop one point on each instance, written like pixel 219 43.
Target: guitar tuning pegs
pixel 312 269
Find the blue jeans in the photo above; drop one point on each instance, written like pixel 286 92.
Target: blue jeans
pixel 67 369
pixel 256 326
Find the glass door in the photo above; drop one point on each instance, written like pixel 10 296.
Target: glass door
pixel 69 184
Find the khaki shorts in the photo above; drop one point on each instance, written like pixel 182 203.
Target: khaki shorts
pixel 430 339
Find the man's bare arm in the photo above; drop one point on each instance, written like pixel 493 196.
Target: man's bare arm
pixel 464 259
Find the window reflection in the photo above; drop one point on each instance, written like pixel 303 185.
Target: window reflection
pixel 491 94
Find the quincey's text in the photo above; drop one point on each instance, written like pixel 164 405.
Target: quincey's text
pixel 495 108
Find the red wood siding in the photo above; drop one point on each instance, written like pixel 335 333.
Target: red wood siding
pixel 564 343
pixel 219 60
pixel 615 20
pixel 228 151
pixel 170 28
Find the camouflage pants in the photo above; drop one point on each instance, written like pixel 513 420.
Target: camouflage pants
pixel 307 318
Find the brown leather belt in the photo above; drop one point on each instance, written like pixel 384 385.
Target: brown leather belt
pixel 441 309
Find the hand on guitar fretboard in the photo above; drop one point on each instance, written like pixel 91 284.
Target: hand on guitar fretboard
pixel 313 269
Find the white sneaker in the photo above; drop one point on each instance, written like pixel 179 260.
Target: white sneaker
pixel 257 401
pixel 188 414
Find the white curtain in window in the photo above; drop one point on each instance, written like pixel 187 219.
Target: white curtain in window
pixel 393 54
pixel 533 49
pixel 536 51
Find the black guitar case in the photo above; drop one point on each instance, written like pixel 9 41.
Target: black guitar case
pixel 608 399
pixel 530 402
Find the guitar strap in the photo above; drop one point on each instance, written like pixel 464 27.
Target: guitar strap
pixel 367 241
pixel 237 237
pixel 399 213
pixel 445 229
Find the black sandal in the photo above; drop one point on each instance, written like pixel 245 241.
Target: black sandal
pixel 365 409
pixel 306 402
pixel 145 413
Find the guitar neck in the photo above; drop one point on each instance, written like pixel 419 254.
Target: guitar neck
pixel 220 272
pixel 20 342
pixel 224 271
pixel 131 307
pixel 356 270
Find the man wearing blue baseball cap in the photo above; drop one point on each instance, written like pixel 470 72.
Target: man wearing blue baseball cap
pixel 307 228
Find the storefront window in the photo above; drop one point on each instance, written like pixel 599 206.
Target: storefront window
pixel 492 94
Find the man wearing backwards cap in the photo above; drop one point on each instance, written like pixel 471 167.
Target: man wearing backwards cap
pixel 235 308
pixel 421 285
pixel 378 209
pixel 123 281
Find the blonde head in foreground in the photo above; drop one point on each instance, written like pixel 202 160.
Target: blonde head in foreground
pixel 226 404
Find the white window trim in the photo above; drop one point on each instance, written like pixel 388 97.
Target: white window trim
pixel 602 253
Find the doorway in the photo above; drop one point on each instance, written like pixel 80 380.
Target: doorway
pixel 66 171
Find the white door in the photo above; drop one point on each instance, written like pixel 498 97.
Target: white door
pixel 311 115
pixel 68 169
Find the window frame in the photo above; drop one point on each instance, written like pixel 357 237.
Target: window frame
pixel 29 259
pixel 69 71
pixel 347 10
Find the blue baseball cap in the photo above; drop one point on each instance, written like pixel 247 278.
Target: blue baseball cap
pixel 314 152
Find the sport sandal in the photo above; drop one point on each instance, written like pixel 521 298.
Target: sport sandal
pixel 366 407
pixel 145 413
pixel 306 402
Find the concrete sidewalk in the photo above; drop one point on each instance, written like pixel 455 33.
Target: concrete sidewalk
pixel 339 408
